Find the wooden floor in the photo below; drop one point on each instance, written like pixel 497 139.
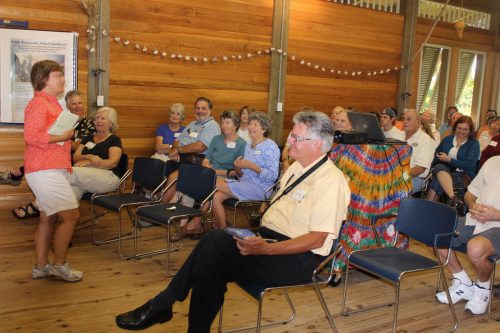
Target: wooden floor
pixel 112 285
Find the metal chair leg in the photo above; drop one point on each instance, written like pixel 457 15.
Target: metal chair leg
pixel 325 308
pixel 396 306
pixel 492 283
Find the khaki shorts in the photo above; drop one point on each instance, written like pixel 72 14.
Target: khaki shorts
pixel 52 190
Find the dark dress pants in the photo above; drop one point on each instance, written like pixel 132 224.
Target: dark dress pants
pixel 214 262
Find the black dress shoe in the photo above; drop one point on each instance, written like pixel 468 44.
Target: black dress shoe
pixel 142 317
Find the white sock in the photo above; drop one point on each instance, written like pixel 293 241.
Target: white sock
pixel 484 285
pixel 463 277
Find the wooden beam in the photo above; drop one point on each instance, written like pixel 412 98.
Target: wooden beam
pixel 405 75
pixel 98 60
pixel 281 20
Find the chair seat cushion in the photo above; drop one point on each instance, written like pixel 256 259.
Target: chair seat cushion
pixel 87 196
pixel 231 202
pixel 163 213
pixel 113 202
pixel 390 262
pixel 253 289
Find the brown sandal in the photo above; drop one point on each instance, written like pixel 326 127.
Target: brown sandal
pixel 27 211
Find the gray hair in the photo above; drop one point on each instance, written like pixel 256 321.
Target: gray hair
pixel 70 94
pixel 178 108
pixel 319 126
pixel 413 111
pixel 230 114
pixel 263 119
pixel 112 115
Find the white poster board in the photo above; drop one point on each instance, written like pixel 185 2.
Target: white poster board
pixel 19 50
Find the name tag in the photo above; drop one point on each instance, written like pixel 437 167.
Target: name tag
pixel 231 145
pixel 493 143
pixel 193 134
pixel 90 145
pixel 257 152
pixel 176 135
pixel 299 195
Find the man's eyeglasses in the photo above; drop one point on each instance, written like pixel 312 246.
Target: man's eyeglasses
pixel 297 138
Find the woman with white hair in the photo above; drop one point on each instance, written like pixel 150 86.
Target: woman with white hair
pixel 167 133
pixel 97 157
pixel 258 169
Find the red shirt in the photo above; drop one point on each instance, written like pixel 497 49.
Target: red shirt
pixel 493 149
pixel 40 113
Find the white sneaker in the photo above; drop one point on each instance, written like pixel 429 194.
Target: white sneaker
pixel 479 300
pixel 458 291
pixel 65 272
pixel 37 273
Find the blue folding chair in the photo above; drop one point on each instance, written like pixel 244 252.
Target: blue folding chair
pixel 428 222
pixel 321 277
pixel 123 172
pixel 194 181
pixel 148 174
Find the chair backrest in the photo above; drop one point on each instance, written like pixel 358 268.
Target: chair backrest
pixel 122 166
pixel 148 172
pixel 196 181
pixel 423 219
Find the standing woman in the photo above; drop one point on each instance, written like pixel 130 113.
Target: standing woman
pixel 243 128
pixel 47 162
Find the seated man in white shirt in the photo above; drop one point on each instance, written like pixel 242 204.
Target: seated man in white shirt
pixel 387 121
pixel 479 230
pixel 423 147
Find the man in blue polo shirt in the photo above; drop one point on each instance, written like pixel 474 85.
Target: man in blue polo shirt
pixel 192 144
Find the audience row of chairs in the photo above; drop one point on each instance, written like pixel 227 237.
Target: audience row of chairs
pixel 144 206
pixel 430 223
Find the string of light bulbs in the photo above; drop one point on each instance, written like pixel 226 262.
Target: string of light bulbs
pixel 161 54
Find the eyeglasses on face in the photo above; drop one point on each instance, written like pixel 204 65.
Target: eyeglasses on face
pixel 297 138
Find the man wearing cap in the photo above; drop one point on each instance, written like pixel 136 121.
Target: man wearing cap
pixel 387 121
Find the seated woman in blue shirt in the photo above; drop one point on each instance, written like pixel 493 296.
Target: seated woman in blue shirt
pixel 456 156
pixel 258 169
pixel 167 133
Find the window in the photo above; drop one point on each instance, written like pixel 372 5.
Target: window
pixel 433 78
pixel 470 82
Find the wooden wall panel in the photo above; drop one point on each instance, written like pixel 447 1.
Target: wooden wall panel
pixel 346 38
pixel 142 86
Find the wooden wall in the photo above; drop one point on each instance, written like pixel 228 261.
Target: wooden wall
pixel 142 86
pixel 346 38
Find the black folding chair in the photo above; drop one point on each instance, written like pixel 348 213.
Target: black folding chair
pixel 148 181
pixel 428 222
pixel 321 277
pixel 194 181
pixel 123 172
